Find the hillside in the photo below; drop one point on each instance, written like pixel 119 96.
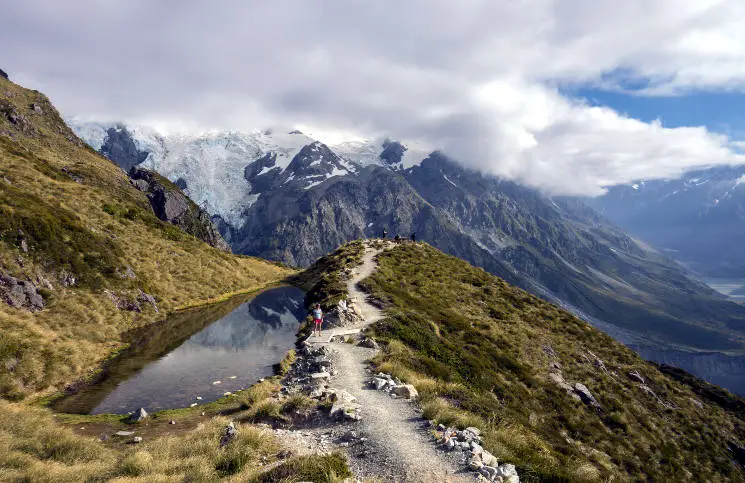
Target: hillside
pixel 284 196
pixel 83 256
pixel 556 397
pixel 698 219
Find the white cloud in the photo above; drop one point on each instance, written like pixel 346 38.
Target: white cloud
pixel 474 77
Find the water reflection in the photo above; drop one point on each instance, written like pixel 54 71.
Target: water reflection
pixel 236 349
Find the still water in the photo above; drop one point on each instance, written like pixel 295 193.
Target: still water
pixel 170 369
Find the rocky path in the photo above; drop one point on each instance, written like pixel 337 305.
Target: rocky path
pixel 397 446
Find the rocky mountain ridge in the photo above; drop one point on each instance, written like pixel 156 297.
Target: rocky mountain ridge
pixel 297 202
pixel 698 219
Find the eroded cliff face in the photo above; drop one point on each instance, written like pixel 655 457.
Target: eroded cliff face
pixel 286 197
pixel 170 204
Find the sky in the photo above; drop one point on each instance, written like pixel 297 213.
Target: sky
pixel 568 96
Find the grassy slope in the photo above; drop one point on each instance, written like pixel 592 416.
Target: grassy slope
pixel 477 349
pixel 93 230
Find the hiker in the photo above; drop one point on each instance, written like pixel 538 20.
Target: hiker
pixel 385 233
pixel 317 320
pixel 413 237
pixel 397 238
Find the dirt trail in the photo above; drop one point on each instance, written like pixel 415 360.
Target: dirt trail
pixel 397 447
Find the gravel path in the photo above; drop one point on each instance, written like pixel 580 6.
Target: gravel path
pixel 398 447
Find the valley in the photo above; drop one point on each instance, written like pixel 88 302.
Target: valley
pixel 284 196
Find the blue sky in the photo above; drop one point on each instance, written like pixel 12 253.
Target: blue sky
pixel 475 79
pixel 722 112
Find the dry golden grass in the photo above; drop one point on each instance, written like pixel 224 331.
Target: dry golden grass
pixel 95 229
pixel 34 448
pixel 81 325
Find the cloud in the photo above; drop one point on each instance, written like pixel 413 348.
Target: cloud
pixel 476 78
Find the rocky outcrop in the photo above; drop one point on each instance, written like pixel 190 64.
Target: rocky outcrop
pixel 3 74
pixel 20 294
pixel 170 204
pixel 119 147
pixel 393 386
pixel 138 416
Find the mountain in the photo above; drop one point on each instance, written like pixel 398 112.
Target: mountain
pixel 284 196
pixel 698 219
pixel 88 252
pixel 552 395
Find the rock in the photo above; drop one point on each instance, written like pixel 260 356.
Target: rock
pixel 193 405
pixel 475 462
pixel 215 383
pixel 508 473
pixel 3 74
pixel 441 427
pixel 124 434
pixel 369 343
pixel 172 422
pixel 450 444
pixel 137 439
pixel 229 435
pixel 170 204
pixel 378 383
pixel 138 416
pixel 320 375
pixel 406 391
pixel 143 297
pixel 37 108
pixel 344 405
pixel 20 294
pixel 636 376
pixel 489 459
pixel 489 472
pixel 586 395
pixel 476 448
pixel 475 431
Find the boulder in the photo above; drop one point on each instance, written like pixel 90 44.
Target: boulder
pixel 508 473
pixel 406 391
pixel 20 294
pixel 137 439
pixel 369 343
pixel 489 472
pixel 489 459
pixel 378 383
pixel 124 434
pixel 586 396
pixel 138 416
pixel 3 74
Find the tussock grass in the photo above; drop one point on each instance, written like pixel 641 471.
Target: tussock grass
pixel 330 468
pixel 34 448
pixel 81 218
pixel 479 352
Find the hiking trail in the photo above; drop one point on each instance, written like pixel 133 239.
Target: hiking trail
pixel 397 446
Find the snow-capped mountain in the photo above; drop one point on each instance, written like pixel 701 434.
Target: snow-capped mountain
pixel 698 219
pixel 287 197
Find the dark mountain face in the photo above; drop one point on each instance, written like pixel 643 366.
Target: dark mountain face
pixel 698 219
pixel 119 147
pixel 559 249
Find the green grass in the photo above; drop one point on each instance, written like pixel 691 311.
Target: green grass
pixel 80 217
pixel 330 468
pixel 477 350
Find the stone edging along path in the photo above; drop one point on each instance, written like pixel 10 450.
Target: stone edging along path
pixel 374 418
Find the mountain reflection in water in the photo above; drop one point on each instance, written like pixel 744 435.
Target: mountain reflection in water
pixel 237 349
